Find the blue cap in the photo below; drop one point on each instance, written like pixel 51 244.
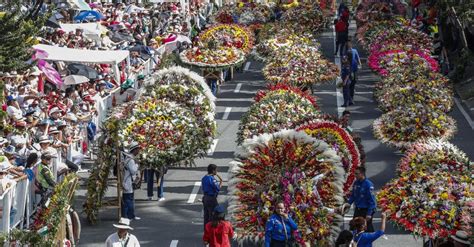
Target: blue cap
pixel 10 97
pixel 219 209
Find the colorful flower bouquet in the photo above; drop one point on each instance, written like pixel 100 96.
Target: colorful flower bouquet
pixel 228 35
pixel 281 167
pixel 284 39
pixel 243 13
pixel 383 62
pixel 217 58
pixel 438 98
pixel 405 126
pixel 279 109
pixel 341 141
pixel 166 131
pixel 299 66
pixel 304 17
pixel 182 76
pixel 280 88
pixel 435 155
pixel 433 204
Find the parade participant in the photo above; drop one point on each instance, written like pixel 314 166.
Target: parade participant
pixel 210 189
pixel 341 35
pixel 363 197
pixel 363 238
pixel 122 237
pixel 346 81
pixel 218 232
pixel 279 228
pixel 160 176
pixel 130 168
pixel 355 64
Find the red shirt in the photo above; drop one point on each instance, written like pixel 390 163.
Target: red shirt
pixel 218 236
pixel 340 26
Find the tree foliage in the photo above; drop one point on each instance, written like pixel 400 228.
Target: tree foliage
pixel 19 29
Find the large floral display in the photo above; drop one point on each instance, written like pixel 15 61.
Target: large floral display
pixel 243 13
pixel 228 35
pixel 341 141
pixel 403 127
pixel 278 109
pixel 433 155
pixel 284 38
pixel 299 66
pixel 281 167
pixel 305 16
pixel 430 204
pixel 212 58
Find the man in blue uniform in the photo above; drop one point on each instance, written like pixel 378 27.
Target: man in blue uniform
pixel 363 197
pixel 210 189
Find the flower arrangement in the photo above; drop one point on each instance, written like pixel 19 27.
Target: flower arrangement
pixel 279 109
pixel 280 167
pixel 434 155
pixel 432 204
pixel 404 126
pixel 438 98
pixel 383 62
pixel 305 16
pixel 274 89
pixel 299 66
pixel 166 132
pixel 228 35
pixel 341 141
pixel 243 13
pixel 216 58
pixel 285 38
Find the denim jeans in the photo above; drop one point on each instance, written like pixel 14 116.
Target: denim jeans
pixel 150 175
pixel 213 85
pixel 128 206
pixel 209 203
pixel 346 93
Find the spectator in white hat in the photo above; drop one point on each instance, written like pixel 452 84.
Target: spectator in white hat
pixel 122 237
pixel 461 239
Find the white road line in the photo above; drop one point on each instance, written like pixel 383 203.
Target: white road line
pixel 174 243
pixel 226 113
pixel 237 88
pixel 193 195
pixel 464 113
pixel 210 152
pixel 332 93
pixel 247 66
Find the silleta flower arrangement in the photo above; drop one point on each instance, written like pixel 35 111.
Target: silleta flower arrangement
pixel 284 38
pixel 404 126
pixel 216 58
pixel 279 109
pixel 281 167
pixel 299 66
pixel 341 141
pixel 435 155
pixel 228 35
pixel 165 130
pixel 383 62
pixel 438 98
pixel 433 204
pixel 304 17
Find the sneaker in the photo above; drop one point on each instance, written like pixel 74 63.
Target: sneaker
pixel 150 198
pixel 161 199
pixel 137 218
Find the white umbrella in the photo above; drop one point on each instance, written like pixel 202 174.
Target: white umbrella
pixel 75 79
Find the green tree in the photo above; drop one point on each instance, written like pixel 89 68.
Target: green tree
pixel 18 30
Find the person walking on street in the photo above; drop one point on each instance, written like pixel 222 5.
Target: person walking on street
pixel 341 35
pixel 160 176
pixel 355 64
pixel 129 177
pixel 279 228
pixel 346 81
pixel 363 238
pixel 218 232
pixel 122 237
pixel 363 197
pixel 210 189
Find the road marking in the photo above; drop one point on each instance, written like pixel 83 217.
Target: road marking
pixel 332 93
pixel 174 243
pixel 247 66
pixel 193 195
pixel 210 152
pixel 226 113
pixel 464 113
pixel 237 88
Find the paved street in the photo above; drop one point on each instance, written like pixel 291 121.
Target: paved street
pixel 177 221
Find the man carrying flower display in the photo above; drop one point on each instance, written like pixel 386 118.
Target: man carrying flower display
pixel 363 197
pixel 210 189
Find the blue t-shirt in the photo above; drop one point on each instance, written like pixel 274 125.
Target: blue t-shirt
pixel 365 239
pixel 210 185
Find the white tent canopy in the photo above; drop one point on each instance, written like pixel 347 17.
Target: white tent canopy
pixel 85 56
pixel 82 56
pixel 91 30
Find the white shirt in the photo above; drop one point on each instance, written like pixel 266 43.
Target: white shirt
pixel 114 241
